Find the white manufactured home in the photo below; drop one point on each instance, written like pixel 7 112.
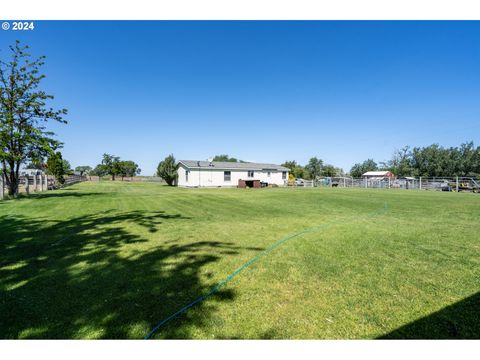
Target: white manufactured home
pixel 193 173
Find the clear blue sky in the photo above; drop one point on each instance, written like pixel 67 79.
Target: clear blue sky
pixel 260 91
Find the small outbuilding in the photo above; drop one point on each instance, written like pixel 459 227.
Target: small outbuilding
pixel 378 175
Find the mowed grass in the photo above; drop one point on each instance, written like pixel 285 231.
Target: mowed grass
pixel 111 260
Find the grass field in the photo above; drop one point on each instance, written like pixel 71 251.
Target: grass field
pixel 111 260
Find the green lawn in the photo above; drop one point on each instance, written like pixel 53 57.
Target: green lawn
pixel 111 260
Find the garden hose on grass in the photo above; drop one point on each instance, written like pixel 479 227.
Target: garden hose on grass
pixel 265 252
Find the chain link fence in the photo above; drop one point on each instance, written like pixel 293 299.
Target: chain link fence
pixel 458 184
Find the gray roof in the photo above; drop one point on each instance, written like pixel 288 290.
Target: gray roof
pixel 226 165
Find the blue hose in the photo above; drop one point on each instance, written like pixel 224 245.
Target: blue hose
pixel 236 272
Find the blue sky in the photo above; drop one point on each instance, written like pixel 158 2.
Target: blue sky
pixel 263 91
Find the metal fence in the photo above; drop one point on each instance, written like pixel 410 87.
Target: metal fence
pixel 421 183
pixel 37 183
pixel 126 178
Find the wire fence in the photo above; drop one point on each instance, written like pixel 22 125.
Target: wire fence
pixel 458 184
pixel 126 178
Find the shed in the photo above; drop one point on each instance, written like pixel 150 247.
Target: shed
pixel 378 175
pixel 249 184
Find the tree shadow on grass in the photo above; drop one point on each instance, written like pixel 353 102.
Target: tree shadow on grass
pixel 89 277
pixel 460 320
pixel 64 193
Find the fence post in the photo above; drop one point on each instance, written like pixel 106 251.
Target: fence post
pixel 420 183
pixel 27 185
pixel 34 182
pixel 2 187
pixel 344 183
pixel 366 183
pixel 456 183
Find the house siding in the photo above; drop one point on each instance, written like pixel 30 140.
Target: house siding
pixel 215 177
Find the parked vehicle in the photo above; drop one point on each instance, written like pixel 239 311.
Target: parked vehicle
pixel 299 182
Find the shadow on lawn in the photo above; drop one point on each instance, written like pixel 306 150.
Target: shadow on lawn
pixel 457 321
pixel 81 278
pixel 52 194
pixel 61 194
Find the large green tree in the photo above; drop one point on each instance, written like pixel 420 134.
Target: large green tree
pixel 55 167
pixel 400 164
pixel 128 168
pixel 295 169
pixel 329 170
pixel 100 170
pixel 291 164
pixel 359 169
pixel 23 114
pixel 437 161
pixel 111 165
pixel 83 170
pixel 314 167
pixel 67 168
pixel 167 169
pixel 225 157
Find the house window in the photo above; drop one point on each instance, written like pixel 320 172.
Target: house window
pixel 186 175
pixel 284 175
pixel 268 173
pixel 250 173
pixel 227 175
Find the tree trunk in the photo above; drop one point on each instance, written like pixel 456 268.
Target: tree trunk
pixel 12 183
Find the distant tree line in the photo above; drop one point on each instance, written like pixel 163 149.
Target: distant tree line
pixel 227 158
pixel 312 170
pixel 430 161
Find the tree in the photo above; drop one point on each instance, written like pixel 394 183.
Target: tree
pixel 290 164
pixel 36 164
pixel 67 168
pixel 83 170
pixel 55 167
pixel 469 159
pixel 427 161
pixel 112 164
pixel 100 170
pixel 329 170
pixel 314 167
pixel 225 157
pixel 299 172
pixel 296 170
pixel 358 170
pixel 400 164
pixel 23 114
pixel 128 168
pixel 167 169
